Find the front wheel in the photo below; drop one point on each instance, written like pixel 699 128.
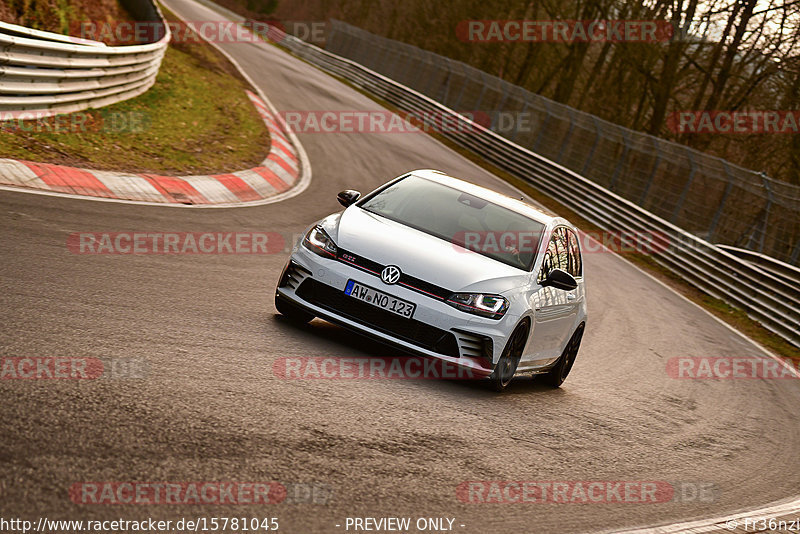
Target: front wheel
pixel 556 376
pixel 291 311
pixel 508 362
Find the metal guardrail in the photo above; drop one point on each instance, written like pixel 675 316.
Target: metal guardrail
pixel 766 298
pixel 790 273
pixel 43 73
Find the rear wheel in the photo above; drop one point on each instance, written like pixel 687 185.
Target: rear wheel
pixel 509 360
pixel 556 376
pixel 291 311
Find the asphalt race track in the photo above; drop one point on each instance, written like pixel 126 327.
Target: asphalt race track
pixel 209 407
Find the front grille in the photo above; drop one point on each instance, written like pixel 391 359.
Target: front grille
pixel 374 268
pixel 409 330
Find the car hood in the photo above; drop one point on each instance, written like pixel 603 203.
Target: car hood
pixel 419 254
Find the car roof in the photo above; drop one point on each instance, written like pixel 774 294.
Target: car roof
pixel 514 204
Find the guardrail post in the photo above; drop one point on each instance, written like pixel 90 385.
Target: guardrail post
pixel 483 91
pixel 464 83
pixel 718 213
pixel 767 210
pixel 764 215
pixel 407 72
pixel 566 138
pixel 516 129
pixel 686 187
pixel 597 132
pixel 543 127
pixel 345 37
pixel 392 73
pixel 331 36
pixel 429 90
pixel 652 176
pixel 612 185
pixel 502 99
pixel 356 52
pixel 448 79
pixel 376 57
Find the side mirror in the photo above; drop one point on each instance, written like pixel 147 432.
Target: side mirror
pixel 347 197
pixel 560 279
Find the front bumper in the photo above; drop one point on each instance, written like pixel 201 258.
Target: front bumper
pixel 437 330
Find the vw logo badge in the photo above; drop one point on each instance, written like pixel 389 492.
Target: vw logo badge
pixel 390 274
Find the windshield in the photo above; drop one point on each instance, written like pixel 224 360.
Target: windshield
pixel 460 218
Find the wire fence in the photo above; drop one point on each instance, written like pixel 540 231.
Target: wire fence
pixel 714 199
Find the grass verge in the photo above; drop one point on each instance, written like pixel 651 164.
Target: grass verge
pixel 196 119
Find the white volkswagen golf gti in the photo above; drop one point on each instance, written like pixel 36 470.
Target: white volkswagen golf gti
pixel 449 270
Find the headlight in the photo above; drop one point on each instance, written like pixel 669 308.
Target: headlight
pixel 320 243
pixel 491 306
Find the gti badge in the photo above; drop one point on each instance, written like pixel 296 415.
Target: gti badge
pixel 390 274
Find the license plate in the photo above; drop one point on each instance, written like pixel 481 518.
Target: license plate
pixel 380 299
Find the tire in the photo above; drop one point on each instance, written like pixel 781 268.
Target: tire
pixel 556 376
pixel 292 312
pixel 507 364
